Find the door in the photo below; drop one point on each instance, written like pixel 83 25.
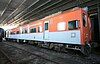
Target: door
pixel 46 30
pixel 85 28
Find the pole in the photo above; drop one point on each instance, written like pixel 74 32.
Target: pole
pixel 99 18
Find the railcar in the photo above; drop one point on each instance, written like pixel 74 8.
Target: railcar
pixel 69 29
pixel 2 32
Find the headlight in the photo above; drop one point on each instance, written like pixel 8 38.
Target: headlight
pixel 73 34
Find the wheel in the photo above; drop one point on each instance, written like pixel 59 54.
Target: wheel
pixel 63 48
pixel 51 46
pixel 86 49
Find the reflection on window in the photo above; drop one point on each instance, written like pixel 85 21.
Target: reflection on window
pixel 46 26
pixel 33 30
pixel 73 25
pixel 61 26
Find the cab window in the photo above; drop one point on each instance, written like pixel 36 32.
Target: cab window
pixel 25 31
pixel 72 25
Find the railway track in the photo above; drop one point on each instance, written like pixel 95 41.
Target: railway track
pixel 50 56
pixel 37 55
pixel 42 55
pixel 7 59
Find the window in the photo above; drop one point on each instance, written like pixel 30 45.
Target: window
pixel 12 33
pixel 24 31
pixel 61 26
pixel 39 29
pixel 17 32
pixel 33 30
pixel 84 20
pixel 46 26
pixel 73 25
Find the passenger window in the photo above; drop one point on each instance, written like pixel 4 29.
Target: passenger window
pixel 33 30
pixel 12 33
pixel 61 26
pixel 84 20
pixel 24 31
pixel 72 25
pixel 7 33
pixel 39 29
pixel 46 26
pixel 17 32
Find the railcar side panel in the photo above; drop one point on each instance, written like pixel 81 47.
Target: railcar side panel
pixel 55 29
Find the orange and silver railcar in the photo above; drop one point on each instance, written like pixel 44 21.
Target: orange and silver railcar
pixel 69 29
